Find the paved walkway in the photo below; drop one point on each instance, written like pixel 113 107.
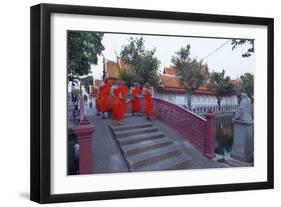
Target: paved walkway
pixel 107 156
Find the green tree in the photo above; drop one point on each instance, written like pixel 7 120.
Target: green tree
pixel 251 49
pixel 221 85
pixel 247 85
pixel 128 76
pixel 143 63
pixel 83 49
pixel 189 72
pixel 87 81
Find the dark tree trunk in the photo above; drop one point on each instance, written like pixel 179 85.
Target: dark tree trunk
pixel 188 94
pixel 219 102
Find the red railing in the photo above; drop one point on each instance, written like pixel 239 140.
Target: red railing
pixel 198 131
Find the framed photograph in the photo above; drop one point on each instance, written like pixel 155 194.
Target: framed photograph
pixel 132 103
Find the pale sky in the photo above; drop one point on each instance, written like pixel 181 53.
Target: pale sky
pixel 166 46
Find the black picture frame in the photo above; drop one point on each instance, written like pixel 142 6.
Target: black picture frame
pixel 41 95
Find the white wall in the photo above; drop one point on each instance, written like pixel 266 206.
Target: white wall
pixel 14 104
pixel 197 100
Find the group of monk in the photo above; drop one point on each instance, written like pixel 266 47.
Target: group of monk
pixel 113 99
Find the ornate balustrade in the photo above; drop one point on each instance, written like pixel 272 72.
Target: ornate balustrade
pixel 205 109
pixel 197 130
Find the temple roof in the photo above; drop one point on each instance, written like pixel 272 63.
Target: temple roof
pixel 169 71
pixel 122 64
pixel 170 83
pixel 113 68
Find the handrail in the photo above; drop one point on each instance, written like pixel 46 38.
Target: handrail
pixel 200 132
pixel 181 108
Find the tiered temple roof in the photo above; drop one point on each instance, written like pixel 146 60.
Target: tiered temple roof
pixel 170 83
pixel 113 69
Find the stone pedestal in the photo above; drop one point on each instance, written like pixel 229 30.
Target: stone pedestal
pixel 82 107
pixel 209 148
pixel 84 132
pixel 243 141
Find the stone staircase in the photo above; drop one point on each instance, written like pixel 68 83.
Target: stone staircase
pixel 236 163
pixel 145 148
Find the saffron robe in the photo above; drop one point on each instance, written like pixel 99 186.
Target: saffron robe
pixel 111 100
pixel 148 102
pixel 136 92
pixel 104 96
pixel 120 102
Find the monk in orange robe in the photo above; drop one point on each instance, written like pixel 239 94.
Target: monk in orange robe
pixel 147 92
pixel 120 102
pixel 110 101
pixel 104 95
pixel 135 94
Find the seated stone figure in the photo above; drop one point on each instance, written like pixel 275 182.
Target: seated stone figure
pixel 244 111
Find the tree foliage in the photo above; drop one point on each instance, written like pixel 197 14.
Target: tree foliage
pixel 143 63
pixel 221 85
pixel 128 76
pixel 250 50
pixel 247 84
pixel 87 81
pixel 83 49
pixel 189 71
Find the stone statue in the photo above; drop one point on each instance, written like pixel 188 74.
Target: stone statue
pixel 244 111
pixel 243 132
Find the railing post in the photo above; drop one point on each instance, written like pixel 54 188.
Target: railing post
pixel 82 107
pixel 84 132
pixel 209 146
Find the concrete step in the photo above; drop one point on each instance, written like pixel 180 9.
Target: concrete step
pixel 237 163
pixel 131 132
pixel 139 138
pixel 146 145
pixel 132 126
pixel 152 156
pixel 182 161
